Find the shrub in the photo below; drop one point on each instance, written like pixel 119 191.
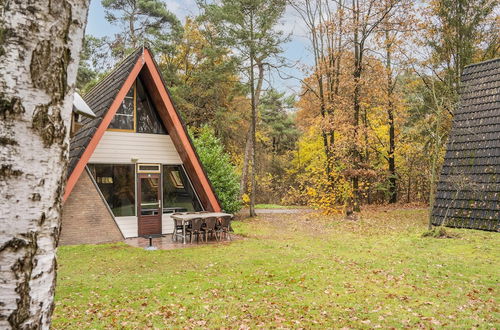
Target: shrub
pixel 219 168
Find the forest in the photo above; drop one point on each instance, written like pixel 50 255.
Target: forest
pixel 370 121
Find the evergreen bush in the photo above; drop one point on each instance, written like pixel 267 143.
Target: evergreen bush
pixel 219 168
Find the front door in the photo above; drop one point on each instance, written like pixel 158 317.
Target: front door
pixel 149 204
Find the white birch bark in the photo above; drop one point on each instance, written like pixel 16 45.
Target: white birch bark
pixel 40 42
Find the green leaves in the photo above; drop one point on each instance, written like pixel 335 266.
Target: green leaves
pixel 142 22
pixel 248 25
pixel 278 122
pixel 219 168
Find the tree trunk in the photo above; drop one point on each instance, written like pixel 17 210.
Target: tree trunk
pixel 40 43
pixel 390 114
pixel 248 145
pixel 131 26
pixel 246 158
pixel 393 195
pixel 254 120
pixel 409 187
pixel 356 106
pixel 434 160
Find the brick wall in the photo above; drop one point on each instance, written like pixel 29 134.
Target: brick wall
pixel 85 217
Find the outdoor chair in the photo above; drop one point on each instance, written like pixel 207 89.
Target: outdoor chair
pixel 210 227
pixel 177 228
pixel 195 229
pixel 225 226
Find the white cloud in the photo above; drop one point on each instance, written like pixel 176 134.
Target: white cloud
pixel 183 8
pixel 293 24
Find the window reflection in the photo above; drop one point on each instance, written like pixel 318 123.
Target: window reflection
pixel 148 120
pixel 116 183
pixel 137 103
pixel 124 117
pixel 178 194
pixel 150 196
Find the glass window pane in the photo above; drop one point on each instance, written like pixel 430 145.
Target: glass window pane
pixel 124 117
pixel 178 194
pixel 148 120
pixel 149 168
pixel 149 196
pixel 116 183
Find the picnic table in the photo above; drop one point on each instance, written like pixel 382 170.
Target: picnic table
pixel 185 218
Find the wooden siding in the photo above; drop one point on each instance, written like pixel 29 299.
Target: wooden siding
pixel 121 147
pixel 128 225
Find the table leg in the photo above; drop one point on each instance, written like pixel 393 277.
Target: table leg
pixel 183 232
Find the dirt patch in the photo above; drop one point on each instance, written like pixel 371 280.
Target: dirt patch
pixel 440 232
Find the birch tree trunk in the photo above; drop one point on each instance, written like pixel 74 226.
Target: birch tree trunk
pixel 40 42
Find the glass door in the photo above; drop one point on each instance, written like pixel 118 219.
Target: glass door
pixel 149 203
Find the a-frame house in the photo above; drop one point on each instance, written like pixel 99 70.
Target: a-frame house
pixel 133 164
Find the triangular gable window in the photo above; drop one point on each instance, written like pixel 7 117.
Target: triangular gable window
pixel 148 120
pixel 137 113
pixel 124 119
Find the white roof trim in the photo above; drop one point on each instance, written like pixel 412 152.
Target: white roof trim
pixel 80 107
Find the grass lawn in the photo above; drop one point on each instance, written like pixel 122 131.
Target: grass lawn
pixel 290 271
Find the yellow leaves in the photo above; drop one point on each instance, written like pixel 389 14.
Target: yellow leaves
pixel 262 138
pixel 311 192
pixel 246 199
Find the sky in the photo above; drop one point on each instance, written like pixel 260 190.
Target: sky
pixel 296 50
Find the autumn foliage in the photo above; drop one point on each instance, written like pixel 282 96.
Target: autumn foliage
pixel 370 121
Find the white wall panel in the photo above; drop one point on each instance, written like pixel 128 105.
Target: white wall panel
pixel 121 147
pixel 128 226
pixel 167 224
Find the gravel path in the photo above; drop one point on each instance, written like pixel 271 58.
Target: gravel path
pixel 278 211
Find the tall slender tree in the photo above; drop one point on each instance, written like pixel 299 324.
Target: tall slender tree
pixel 366 18
pixel 394 30
pixel 325 22
pixel 250 28
pixel 40 43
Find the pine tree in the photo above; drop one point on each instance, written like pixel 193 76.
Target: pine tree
pixel 142 22
pixel 249 26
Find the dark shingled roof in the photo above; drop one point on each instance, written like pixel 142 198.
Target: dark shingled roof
pixel 468 193
pixel 99 99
